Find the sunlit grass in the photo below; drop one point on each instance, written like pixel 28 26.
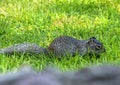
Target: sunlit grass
pixel 40 21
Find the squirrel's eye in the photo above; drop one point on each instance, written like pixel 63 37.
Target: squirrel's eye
pixel 98 47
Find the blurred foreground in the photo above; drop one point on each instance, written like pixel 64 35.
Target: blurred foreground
pixel 97 75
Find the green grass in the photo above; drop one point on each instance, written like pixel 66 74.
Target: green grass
pixel 40 21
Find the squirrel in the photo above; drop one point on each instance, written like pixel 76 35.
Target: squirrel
pixel 60 46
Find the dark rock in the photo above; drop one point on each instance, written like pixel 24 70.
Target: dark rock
pixel 97 75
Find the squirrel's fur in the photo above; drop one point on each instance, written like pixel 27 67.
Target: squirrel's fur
pixel 60 46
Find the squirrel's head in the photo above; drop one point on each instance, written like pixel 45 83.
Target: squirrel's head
pixel 95 46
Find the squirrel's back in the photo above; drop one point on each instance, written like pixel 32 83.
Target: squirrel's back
pixel 63 45
pixel 66 45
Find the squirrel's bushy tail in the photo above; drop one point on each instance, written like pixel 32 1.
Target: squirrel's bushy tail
pixel 1 51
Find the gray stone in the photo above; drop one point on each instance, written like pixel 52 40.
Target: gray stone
pixel 96 75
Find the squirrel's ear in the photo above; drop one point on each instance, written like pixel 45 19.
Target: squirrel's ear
pixel 93 38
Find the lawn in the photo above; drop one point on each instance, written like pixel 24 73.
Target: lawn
pixel 40 21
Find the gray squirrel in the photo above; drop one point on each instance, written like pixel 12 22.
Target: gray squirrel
pixel 60 46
